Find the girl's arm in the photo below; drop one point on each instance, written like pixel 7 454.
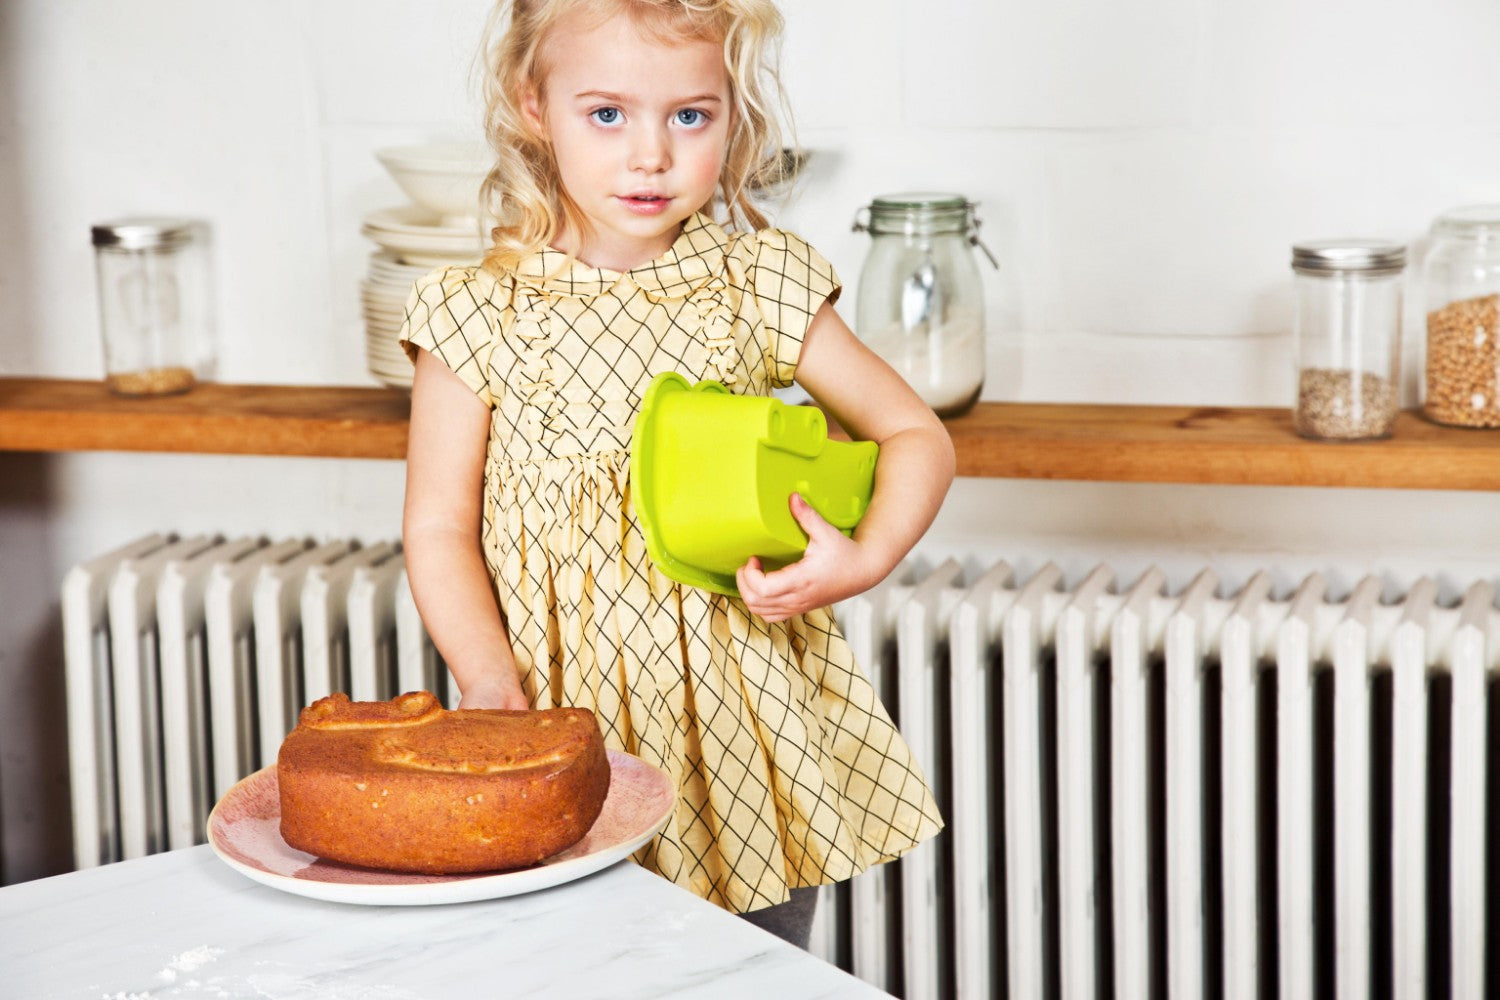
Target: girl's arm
pixel 873 403
pixel 441 527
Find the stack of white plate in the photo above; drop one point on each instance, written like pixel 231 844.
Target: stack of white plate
pixel 413 241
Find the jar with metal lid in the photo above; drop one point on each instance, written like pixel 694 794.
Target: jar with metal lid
pixel 153 307
pixel 1347 324
pixel 921 302
pixel 1461 284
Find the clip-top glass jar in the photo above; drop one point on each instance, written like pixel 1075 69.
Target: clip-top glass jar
pixel 1347 324
pixel 153 305
pixel 921 303
pixel 1461 277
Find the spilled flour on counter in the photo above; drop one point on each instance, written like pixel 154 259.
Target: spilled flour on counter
pixel 322 985
pixel 189 961
pixel 185 977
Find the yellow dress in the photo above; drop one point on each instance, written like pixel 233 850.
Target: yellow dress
pixel 790 772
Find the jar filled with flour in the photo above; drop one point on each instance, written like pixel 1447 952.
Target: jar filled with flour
pixel 921 301
pixel 1347 326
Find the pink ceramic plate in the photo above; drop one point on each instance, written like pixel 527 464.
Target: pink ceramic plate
pixel 245 831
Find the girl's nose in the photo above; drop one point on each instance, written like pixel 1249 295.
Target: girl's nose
pixel 651 151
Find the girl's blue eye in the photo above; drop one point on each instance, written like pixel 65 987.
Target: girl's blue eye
pixel 691 117
pixel 606 116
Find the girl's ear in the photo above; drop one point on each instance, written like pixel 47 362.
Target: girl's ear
pixel 531 109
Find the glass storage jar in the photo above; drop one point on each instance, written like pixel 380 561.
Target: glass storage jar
pixel 1347 324
pixel 921 303
pixel 153 306
pixel 1461 284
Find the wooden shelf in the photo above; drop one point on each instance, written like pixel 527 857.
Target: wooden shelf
pixel 1136 444
pixel 1214 445
pixel 329 421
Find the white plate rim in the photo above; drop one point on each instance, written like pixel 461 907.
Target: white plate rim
pixel 395 288
pixel 430 254
pixel 414 220
pixel 387 263
pixel 457 889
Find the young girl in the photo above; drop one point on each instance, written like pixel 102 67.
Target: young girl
pixel 620 126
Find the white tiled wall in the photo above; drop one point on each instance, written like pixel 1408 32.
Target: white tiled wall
pixel 1142 170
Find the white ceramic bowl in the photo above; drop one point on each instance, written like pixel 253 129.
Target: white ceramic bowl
pixel 443 178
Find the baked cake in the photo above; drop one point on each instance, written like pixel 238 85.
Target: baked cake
pixel 405 785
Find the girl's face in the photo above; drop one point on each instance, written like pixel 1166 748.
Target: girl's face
pixel 639 128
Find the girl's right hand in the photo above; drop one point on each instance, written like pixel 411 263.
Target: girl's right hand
pixel 495 692
pixel 832 568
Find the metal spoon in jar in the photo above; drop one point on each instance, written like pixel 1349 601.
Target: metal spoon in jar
pixel 922 305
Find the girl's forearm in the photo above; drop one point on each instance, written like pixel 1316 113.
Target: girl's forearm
pixel 911 478
pixel 451 586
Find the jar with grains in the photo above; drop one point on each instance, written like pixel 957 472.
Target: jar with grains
pixel 1347 324
pixel 921 303
pixel 1461 279
pixel 153 307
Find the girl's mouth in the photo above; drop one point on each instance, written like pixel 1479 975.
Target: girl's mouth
pixel 646 204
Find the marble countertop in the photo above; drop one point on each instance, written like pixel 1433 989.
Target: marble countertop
pixel 184 924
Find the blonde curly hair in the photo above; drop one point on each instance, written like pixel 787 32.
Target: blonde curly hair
pixel 522 191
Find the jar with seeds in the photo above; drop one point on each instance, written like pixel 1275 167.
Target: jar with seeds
pixel 153 305
pixel 1347 323
pixel 1461 279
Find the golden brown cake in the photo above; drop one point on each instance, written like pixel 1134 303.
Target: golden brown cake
pixel 405 785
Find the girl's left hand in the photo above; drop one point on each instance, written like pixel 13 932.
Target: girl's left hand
pixel 833 567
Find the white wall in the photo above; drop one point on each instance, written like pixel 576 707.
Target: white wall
pixel 1142 171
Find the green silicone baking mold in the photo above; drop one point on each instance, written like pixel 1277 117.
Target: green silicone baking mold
pixel 712 475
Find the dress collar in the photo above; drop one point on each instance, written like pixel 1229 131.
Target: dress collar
pixel 695 257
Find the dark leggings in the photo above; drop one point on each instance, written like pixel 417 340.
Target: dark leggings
pixel 790 921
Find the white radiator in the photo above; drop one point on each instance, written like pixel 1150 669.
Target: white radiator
pixel 188 659
pixel 1148 793
pixel 1182 794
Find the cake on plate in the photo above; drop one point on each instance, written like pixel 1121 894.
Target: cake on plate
pixel 405 785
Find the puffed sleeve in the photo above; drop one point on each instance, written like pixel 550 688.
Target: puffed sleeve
pixel 452 314
pixel 790 281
